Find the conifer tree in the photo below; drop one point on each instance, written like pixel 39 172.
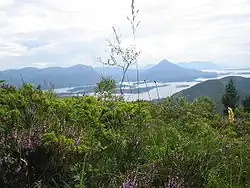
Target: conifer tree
pixel 246 104
pixel 231 96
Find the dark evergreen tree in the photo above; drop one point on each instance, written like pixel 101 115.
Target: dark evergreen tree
pixel 246 104
pixel 231 96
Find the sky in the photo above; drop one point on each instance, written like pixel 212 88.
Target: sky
pixel 46 33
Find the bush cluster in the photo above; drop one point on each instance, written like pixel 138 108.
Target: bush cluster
pixel 48 141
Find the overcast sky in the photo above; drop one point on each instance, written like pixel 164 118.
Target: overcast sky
pixel 45 33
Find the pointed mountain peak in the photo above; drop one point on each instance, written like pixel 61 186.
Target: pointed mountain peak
pixel 167 64
pixel 164 61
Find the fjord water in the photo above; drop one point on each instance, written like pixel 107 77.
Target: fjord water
pixel 168 89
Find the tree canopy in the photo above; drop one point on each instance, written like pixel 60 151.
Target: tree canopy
pixel 231 96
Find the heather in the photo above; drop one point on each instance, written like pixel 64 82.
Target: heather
pixel 104 141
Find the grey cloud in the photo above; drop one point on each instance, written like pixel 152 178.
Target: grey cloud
pixel 188 31
pixel 65 54
pixel 30 44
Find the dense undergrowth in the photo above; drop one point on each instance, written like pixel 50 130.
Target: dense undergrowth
pixel 94 142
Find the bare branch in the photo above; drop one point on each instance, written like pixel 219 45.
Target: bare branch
pixel 120 56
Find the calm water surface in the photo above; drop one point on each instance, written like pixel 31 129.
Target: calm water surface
pixel 172 87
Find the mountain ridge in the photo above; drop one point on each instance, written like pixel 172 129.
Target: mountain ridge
pixel 80 75
pixel 57 77
pixel 165 71
pixel 199 65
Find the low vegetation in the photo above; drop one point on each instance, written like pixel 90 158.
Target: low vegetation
pixel 104 141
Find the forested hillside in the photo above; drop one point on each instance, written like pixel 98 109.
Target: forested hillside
pixel 214 89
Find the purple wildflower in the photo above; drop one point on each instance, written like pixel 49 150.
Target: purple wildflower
pixel 127 184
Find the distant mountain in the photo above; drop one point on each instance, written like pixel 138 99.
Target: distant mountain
pixel 57 77
pixel 81 75
pixel 199 65
pixel 116 73
pixel 214 89
pixel 169 72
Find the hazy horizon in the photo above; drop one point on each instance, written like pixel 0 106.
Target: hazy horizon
pixel 56 33
pixel 224 67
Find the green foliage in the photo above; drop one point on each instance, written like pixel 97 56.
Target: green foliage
pixel 104 141
pixel 92 142
pixel 106 88
pixel 246 104
pixel 231 96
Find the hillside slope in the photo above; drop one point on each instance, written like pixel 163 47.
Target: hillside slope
pixel 214 89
